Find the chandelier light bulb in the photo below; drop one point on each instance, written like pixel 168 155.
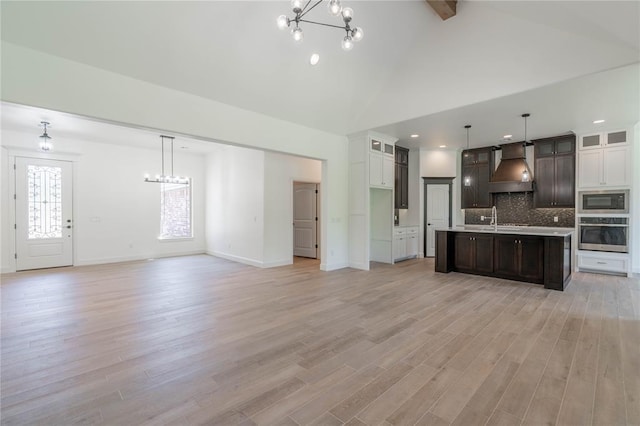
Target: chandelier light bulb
pixel 335 7
pixel 347 43
pixel 357 34
pixel 296 5
pixel 347 14
pixel 283 22
pixel 297 34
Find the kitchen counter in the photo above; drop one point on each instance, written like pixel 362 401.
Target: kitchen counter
pixel 515 230
pixel 537 255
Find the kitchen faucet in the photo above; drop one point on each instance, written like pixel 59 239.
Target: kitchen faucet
pixel 494 218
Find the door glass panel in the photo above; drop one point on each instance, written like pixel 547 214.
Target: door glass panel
pixel 376 145
pixel 44 202
pixel 545 148
pixel 565 146
pixel 593 140
pixel 616 137
pixel 483 157
pixel 388 149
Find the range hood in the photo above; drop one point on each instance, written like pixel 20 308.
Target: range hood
pixel 508 175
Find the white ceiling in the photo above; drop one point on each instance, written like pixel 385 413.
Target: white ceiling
pixel 486 66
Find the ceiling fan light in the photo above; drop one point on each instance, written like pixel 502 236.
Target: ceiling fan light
pixel 347 43
pixel 335 7
pixel 283 22
pixel 357 34
pixel 297 34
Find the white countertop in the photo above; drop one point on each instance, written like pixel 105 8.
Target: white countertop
pixel 514 230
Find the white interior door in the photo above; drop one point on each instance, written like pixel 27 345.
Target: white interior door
pixel 305 219
pixel 437 213
pixel 43 213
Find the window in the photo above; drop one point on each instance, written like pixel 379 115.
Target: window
pixel 45 202
pixel 175 211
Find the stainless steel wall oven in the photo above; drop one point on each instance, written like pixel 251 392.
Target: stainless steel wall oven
pixel 604 234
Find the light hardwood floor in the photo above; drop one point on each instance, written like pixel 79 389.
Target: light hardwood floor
pixel 193 340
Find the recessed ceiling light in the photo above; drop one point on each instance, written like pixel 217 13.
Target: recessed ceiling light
pixel 414 136
pixel 507 136
pixel 314 59
pixel 443 146
pixel 598 121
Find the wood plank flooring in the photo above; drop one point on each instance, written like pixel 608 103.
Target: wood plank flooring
pixel 201 340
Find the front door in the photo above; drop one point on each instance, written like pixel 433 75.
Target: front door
pixel 305 219
pixel 437 213
pixel 44 235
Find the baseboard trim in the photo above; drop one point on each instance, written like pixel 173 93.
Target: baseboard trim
pixel 7 270
pixel 101 261
pixel 239 259
pixel 358 265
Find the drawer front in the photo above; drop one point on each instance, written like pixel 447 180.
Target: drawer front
pixel 603 264
pixel 399 232
pixel 412 231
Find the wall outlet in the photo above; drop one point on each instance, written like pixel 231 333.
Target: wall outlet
pixel 555 218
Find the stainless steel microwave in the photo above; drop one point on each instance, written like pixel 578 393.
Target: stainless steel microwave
pixel 604 202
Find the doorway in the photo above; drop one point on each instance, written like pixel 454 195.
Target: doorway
pixel 305 219
pixel 437 210
pixel 43 202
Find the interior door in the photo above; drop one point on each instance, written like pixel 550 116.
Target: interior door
pixel 305 219
pixel 44 237
pixel 437 213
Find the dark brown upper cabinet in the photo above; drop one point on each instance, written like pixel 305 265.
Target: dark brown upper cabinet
pixel 477 167
pixel 402 178
pixel 555 171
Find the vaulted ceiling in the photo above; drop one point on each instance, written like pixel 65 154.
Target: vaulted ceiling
pixel 411 64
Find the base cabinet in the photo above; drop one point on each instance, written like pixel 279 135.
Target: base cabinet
pixel 519 257
pixel 473 252
pixel 536 259
pixel 405 243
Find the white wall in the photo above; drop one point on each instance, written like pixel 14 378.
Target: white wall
pixel 279 173
pixel 6 248
pixel 116 215
pixel 33 78
pixel 235 204
pixel 635 201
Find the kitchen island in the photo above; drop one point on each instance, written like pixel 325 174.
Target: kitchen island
pixel 532 254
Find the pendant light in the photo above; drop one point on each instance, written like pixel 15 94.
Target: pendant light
pixel 467 179
pixel 45 139
pixel 525 172
pixel 164 178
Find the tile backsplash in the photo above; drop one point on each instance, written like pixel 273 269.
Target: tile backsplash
pixel 517 208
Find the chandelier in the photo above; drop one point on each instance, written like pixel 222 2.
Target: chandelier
pixel 45 139
pixel 164 178
pixel 302 7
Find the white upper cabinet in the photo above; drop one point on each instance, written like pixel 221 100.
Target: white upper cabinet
pixel 604 139
pixel 604 160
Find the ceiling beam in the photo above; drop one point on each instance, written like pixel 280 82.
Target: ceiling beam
pixel 444 8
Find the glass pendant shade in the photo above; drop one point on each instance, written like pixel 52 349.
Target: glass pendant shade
pixel 347 14
pixel 467 181
pixel 297 34
pixel 296 5
pixel 347 43
pixel 335 7
pixel 45 142
pixel 357 34
pixel 525 176
pixel 283 22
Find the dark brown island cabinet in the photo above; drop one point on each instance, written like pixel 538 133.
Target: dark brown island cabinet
pixel 477 167
pixel 555 171
pixel 539 259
